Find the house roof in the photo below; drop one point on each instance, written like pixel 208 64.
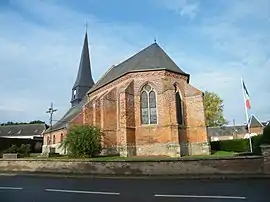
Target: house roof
pixel 265 123
pixel 254 122
pixel 22 130
pixel 152 57
pixel 226 130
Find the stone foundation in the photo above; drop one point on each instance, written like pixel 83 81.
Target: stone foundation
pixel 127 151
pixel 158 149
pixel 191 149
pixel 155 149
pixel 110 151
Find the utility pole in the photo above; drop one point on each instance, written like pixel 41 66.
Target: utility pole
pixel 50 111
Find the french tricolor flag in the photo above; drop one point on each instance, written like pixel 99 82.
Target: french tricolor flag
pixel 246 95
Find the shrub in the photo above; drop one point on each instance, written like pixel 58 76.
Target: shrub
pixel 82 141
pixel 241 145
pixel 266 135
pixel 12 149
pixel 256 142
pixel 238 145
pixel 24 149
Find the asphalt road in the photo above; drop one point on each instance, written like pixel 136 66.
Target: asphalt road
pixel 57 189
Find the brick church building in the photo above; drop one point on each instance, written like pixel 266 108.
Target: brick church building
pixel 144 106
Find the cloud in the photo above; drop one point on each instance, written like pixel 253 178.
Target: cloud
pixel 41 44
pixel 39 58
pixel 232 42
pixel 185 8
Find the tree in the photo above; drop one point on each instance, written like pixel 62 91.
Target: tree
pixel 213 105
pixel 82 141
pixel 21 123
pixel 36 121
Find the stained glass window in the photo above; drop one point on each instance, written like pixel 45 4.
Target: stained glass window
pixel 148 105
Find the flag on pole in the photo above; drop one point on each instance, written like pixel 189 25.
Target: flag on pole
pixel 246 96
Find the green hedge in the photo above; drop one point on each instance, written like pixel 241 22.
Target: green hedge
pixel 242 145
pixel 238 145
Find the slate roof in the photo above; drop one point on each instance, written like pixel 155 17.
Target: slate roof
pixel 84 80
pixel 84 75
pixel 22 130
pixel 69 115
pixel 254 122
pixel 83 83
pixel 152 57
pixel 226 130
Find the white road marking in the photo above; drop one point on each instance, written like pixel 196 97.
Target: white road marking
pixel 198 196
pixel 81 192
pixel 11 188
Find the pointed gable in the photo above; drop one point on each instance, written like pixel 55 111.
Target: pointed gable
pixel 254 122
pixel 152 58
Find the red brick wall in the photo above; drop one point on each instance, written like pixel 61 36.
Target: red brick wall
pixel 125 109
pixel 258 130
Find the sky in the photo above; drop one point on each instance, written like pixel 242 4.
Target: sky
pixel 215 41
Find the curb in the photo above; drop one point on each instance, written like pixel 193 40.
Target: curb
pixel 183 177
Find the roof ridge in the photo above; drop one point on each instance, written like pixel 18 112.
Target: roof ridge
pixel 253 116
pixel 105 74
pixel 152 57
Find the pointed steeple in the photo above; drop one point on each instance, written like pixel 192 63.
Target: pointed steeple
pixel 84 80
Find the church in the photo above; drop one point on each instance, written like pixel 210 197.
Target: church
pixel 145 106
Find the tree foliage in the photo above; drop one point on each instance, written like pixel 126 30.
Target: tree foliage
pixel 266 135
pixel 20 123
pixel 82 141
pixel 213 105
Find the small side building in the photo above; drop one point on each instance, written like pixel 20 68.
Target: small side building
pixel 237 131
pixel 23 131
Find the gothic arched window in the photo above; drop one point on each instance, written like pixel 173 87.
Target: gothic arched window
pixel 179 106
pixel 148 105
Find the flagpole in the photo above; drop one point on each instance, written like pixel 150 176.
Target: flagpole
pixel 247 117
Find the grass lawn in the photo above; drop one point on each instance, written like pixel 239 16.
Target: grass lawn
pixel 139 158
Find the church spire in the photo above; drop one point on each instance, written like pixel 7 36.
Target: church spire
pixel 84 80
